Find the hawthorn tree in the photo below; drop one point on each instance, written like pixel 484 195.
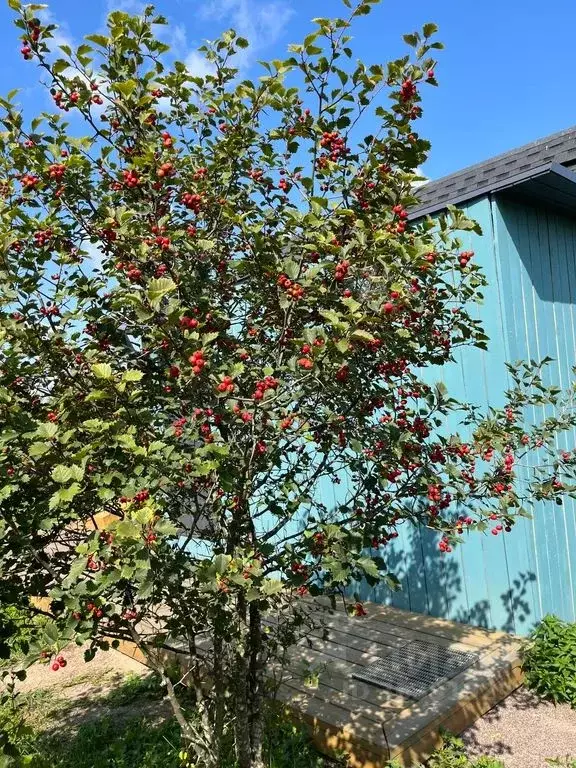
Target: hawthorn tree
pixel 216 322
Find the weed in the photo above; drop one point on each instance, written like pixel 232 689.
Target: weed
pixel 549 661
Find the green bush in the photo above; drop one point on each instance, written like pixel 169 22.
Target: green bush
pixel 452 754
pixel 549 661
pixel 14 631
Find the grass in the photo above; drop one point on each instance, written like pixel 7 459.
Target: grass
pixel 104 731
pixel 109 731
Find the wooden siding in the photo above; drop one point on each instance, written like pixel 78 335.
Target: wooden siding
pixel 507 582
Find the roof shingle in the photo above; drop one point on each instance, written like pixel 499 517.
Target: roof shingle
pixel 496 173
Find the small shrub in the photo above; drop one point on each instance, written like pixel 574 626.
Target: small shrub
pixel 14 632
pixel 452 754
pixel 549 661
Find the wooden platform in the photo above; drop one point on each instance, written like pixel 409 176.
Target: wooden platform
pixel 373 725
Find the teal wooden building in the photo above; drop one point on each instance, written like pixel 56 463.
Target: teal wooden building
pixel 525 202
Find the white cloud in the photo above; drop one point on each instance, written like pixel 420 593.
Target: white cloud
pixel 425 178
pixel 176 39
pixel 260 22
pixel 197 64
pixel 60 36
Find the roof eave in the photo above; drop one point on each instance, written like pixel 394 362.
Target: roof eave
pixel 554 169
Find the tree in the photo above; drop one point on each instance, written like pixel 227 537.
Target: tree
pixel 214 308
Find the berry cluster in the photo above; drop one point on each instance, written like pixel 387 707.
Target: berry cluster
pixel 402 214
pixel 407 90
pixel 192 201
pixel 294 290
pixel 50 310
pixel 92 564
pixel 59 663
pixel 34 32
pixel 178 426
pixel 188 323
pixel 342 270
pixel 131 178
pixel 263 386
pixel 56 171
pixel 42 237
pixel 226 385
pixel 29 182
pixel 166 170
pixel 197 361
pixel 334 144
pixel 131 271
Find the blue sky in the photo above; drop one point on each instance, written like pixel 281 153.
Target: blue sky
pixel 506 76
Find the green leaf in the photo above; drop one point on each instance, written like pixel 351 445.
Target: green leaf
pixel 102 370
pixel 332 317
pixel 126 529
pixel 49 430
pixel 411 39
pixel 363 335
pixel 14 4
pixel 272 587
pixel 98 39
pixel 94 425
pixel 221 563
pixel 369 567
pixel 158 288
pixel 126 87
pixel 429 29
pixel 132 375
pixel 61 474
pixel 77 472
pixel 51 631
pixel 77 567
pixel 67 494
pixel 38 449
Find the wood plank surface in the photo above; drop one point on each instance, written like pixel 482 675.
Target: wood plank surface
pixel 372 724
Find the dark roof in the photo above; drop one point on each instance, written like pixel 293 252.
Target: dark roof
pixel 500 172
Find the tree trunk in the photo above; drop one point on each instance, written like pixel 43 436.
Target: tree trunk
pixel 219 687
pixel 241 693
pixel 256 686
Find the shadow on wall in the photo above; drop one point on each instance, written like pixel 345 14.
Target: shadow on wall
pixel 434 584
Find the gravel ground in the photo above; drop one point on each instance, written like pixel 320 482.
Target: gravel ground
pixel 523 731
pixel 78 678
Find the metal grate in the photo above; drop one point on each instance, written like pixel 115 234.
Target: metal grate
pixel 416 668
